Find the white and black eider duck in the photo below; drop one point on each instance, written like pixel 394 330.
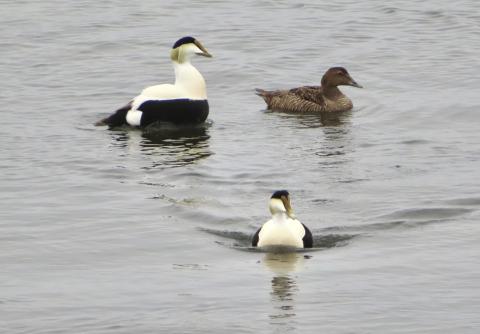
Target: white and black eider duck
pixel 324 98
pixel 283 229
pixel 184 102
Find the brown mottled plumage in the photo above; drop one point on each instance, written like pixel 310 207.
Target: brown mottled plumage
pixel 324 98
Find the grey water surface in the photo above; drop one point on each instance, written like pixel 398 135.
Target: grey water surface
pixel 129 231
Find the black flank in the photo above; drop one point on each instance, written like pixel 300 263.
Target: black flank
pixel 179 111
pixel 307 238
pixel 255 238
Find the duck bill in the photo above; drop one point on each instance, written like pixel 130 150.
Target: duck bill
pixel 288 207
pixel 354 84
pixel 204 52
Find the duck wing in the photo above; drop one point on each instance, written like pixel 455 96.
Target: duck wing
pixel 310 93
pixel 301 99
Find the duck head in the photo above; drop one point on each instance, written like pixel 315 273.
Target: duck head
pixel 280 202
pixel 187 47
pixel 338 76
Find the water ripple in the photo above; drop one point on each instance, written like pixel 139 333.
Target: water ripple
pixel 243 240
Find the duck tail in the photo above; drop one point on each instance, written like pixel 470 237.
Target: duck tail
pixel 263 94
pixel 101 122
pixel 118 118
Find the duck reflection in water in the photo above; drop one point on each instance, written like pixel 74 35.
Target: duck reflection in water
pixel 168 145
pixel 284 288
pixel 316 120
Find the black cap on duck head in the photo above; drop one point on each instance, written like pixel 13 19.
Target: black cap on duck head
pixel 180 56
pixel 338 76
pixel 278 194
pixel 283 196
pixel 183 40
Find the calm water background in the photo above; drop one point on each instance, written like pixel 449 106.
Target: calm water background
pixel 137 232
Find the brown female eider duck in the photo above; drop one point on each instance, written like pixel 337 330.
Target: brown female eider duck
pixel 184 102
pixel 284 229
pixel 324 98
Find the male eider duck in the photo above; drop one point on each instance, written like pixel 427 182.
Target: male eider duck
pixel 184 102
pixel 324 98
pixel 283 229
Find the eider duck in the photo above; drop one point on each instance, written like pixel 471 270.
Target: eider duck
pixel 184 102
pixel 324 98
pixel 283 229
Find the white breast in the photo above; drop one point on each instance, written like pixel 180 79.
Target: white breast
pixel 281 232
pixel 190 80
pixel 189 84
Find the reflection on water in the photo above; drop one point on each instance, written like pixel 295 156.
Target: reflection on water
pixel 337 140
pixel 314 120
pixel 335 119
pixel 337 143
pixel 167 145
pixel 411 58
pixel 284 263
pixel 283 302
pixel 284 288
pixel 179 146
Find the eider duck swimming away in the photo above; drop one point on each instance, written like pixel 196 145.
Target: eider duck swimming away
pixel 184 102
pixel 283 229
pixel 311 99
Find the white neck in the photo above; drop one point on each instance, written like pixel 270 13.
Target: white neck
pixel 276 207
pixel 280 217
pixel 189 79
